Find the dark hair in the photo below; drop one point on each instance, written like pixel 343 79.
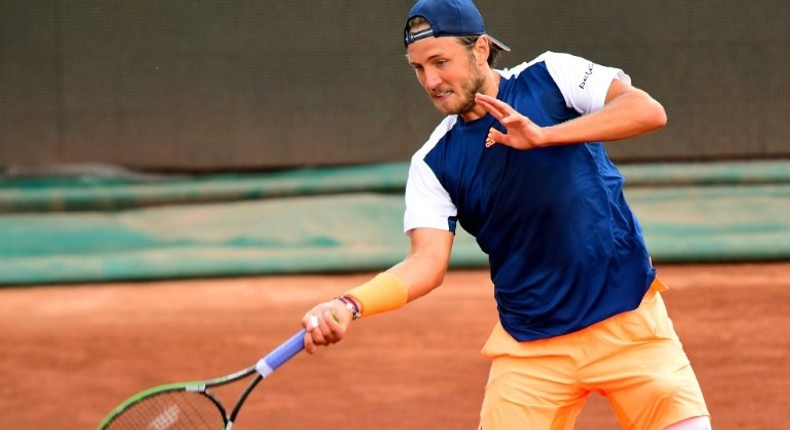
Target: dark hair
pixel 493 50
pixel 467 41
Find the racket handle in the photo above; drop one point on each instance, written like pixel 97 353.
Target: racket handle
pixel 281 354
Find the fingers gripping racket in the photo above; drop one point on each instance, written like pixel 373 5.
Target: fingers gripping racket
pixel 189 405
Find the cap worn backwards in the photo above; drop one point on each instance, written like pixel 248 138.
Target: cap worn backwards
pixel 448 18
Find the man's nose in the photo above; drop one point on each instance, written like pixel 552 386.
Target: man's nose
pixel 432 79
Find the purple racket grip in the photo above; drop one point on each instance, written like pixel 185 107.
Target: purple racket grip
pixel 281 354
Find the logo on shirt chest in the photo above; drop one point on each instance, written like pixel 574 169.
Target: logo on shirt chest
pixel 489 141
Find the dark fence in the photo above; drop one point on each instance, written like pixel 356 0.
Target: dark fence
pixel 226 85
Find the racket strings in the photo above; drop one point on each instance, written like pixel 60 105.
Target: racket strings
pixel 175 410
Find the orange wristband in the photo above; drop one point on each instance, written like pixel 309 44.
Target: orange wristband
pixel 383 293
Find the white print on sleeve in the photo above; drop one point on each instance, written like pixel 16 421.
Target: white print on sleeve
pixel 587 74
pixel 583 84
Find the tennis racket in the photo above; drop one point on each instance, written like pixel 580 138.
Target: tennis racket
pixel 189 405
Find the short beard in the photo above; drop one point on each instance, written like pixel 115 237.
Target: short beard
pixel 469 88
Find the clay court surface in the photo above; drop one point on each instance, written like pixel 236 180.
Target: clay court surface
pixel 71 353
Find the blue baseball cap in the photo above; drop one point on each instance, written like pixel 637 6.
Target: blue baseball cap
pixel 448 18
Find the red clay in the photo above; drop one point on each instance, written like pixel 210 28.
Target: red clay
pixel 72 353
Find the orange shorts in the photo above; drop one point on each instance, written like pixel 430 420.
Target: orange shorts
pixel 634 359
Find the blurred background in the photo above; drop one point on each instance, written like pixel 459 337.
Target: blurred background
pixel 193 130
pixel 218 85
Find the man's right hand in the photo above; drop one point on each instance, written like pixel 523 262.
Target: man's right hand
pixel 325 324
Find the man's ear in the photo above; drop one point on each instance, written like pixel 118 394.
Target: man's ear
pixel 482 50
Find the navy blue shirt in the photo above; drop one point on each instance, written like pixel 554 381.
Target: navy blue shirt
pixel 565 249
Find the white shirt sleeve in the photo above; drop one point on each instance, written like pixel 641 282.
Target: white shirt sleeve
pixel 428 204
pixel 583 84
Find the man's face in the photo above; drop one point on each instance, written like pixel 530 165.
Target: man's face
pixel 447 71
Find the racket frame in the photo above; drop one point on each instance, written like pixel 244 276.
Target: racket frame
pixel 264 367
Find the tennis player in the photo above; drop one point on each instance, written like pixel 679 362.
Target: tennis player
pixel 519 162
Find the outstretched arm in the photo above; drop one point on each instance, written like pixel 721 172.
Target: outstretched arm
pixel 627 112
pixel 426 264
pixel 421 271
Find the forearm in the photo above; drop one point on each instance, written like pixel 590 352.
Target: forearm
pixel 408 280
pixel 419 273
pixel 630 114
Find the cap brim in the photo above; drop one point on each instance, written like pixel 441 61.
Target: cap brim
pixel 496 42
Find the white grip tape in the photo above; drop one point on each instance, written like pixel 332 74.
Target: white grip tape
pixel 263 368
